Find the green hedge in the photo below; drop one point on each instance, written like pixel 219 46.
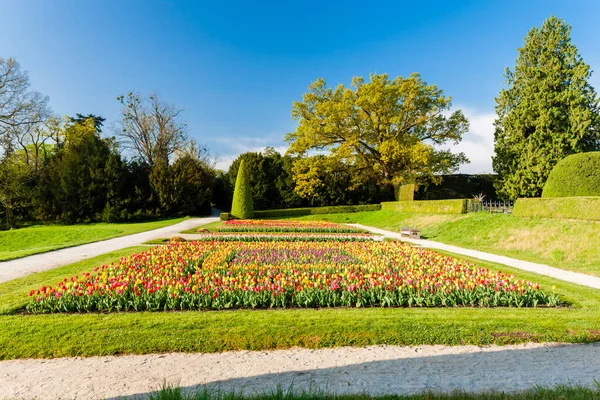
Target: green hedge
pixel 559 207
pixel 296 212
pixel 458 206
pixel 575 175
pixel 225 216
pixel 407 192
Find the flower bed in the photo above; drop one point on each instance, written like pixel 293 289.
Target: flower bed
pixel 285 236
pixel 266 225
pixel 219 275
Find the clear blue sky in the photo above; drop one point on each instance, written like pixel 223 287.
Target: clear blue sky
pixel 235 67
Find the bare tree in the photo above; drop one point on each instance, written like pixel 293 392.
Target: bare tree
pixel 151 128
pixel 19 107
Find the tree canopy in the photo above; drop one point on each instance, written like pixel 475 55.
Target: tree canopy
pixel 392 131
pixel 548 111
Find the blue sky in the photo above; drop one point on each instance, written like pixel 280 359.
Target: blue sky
pixel 235 67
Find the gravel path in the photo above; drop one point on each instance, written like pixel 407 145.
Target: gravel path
pixel 41 262
pixel 376 370
pixel 568 276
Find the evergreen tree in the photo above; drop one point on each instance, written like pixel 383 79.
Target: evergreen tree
pixel 548 111
pixel 242 206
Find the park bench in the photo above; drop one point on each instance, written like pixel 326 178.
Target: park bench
pixel 410 232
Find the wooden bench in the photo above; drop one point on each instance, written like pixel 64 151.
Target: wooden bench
pixel 410 232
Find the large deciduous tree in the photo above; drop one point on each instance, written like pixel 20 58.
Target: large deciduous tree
pixel 390 131
pixel 151 128
pixel 548 111
pixel 20 107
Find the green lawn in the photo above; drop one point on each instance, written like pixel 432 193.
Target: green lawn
pixel 46 336
pixel 559 392
pixel 566 244
pixel 212 226
pixel 23 242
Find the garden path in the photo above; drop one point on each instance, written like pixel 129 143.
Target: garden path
pixel 41 262
pixel 375 370
pixel 568 276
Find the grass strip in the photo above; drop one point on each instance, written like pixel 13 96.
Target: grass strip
pixel 17 243
pixel 558 392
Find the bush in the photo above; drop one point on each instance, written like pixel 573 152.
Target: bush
pixel 575 175
pixel 297 212
pixel 458 206
pixel 242 206
pixel 559 207
pixel 225 216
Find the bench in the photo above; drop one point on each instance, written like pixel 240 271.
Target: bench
pixel 410 232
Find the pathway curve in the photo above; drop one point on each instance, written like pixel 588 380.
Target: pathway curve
pixel 568 276
pixel 376 370
pixel 41 262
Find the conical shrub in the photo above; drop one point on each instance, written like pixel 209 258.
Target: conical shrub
pixel 242 206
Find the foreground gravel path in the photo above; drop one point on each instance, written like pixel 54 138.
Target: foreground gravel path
pixel 376 370
pixel 41 262
pixel 568 276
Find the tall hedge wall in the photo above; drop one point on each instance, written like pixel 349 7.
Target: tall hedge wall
pixel 575 175
pixel 458 206
pixel 559 207
pixel 459 186
pixel 297 212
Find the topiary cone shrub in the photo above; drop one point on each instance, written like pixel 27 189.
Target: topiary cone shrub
pixel 574 176
pixel 242 206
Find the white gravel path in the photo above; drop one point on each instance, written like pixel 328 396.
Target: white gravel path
pixel 376 370
pixel 41 262
pixel 568 276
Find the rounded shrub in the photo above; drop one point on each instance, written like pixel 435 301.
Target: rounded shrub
pixel 242 206
pixel 575 175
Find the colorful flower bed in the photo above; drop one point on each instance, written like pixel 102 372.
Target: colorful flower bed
pixel 219 275
pixel 267 225
pixel 285 236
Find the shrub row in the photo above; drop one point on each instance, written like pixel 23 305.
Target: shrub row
pixel 298 212
pixel 559 207
pixel 458 206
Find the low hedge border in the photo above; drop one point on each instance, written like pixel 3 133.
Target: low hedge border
pixel 457 206
pixel 586 208
pixel 298 212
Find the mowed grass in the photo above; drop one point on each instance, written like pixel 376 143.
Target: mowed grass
pixel 212 226
pixel 17 243
pixel 567 244
pixel 559 392
pixel 59 335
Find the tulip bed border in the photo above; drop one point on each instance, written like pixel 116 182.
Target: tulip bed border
pixel 206 276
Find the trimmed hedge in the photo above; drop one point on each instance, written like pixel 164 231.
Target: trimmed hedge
pixel 297 212
pixel 225 216
pixel 458 206
pixel 575 175
pixel 242 206
pixel 559 207
pixel 406 192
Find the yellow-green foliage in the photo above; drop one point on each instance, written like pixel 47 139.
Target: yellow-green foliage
pixel 458 206
pixel 576 175
pixel 242 206
pixel 406 192
pixel 559 207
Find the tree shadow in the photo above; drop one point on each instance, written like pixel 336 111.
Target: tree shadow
pixel 498 369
